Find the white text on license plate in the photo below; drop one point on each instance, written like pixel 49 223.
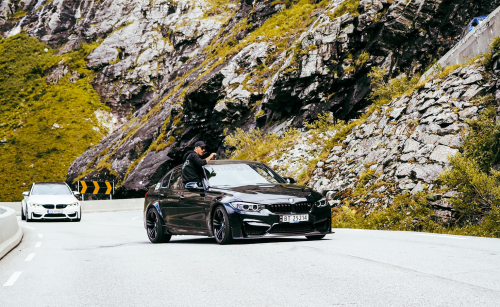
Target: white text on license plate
pixel 294 218
pixel 54 211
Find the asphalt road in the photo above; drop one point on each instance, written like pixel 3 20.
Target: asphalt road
pixel 107 260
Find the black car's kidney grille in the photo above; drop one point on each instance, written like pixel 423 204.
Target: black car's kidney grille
pixel 288 208
pixel 48 206
pixel 285 208
pixel 61 206
pixel 303 207
pixel 292 228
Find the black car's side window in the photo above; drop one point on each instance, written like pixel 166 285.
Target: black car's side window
pixel 164 182
pixel 176 181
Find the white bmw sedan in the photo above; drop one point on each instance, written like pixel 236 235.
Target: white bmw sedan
pixel 50 200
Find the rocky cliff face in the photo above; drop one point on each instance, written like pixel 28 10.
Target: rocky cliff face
pixel 405 146
pixel 174 72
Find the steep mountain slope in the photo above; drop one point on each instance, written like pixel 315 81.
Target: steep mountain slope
pixel 176 72
pixel 49 113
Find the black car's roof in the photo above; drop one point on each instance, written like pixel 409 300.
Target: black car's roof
pixel 226 161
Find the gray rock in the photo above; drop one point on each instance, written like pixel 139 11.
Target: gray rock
pixel 427 104
pixel 468 113
pixel 475 78
pixel 453 128
pixel 418 188
pixel 446 118
pixel 406 184
pixel 411 146
pixel 396 113
pixel 404 170
pixel 473 92
pixel 409 157
pixel 427 172
pixel 442 153
pixel 450 140
pixel 424 151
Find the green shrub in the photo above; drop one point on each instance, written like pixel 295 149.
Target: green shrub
pixel 33 149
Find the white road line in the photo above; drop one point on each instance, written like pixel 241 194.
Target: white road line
pixel 29 227
pixel 446 237
pixel 30 256
pixel 40 235
pixel 12 279
pixel 38 244
pixel 135 217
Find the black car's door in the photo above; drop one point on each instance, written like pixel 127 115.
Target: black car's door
pixel 193 211
pixel 168 199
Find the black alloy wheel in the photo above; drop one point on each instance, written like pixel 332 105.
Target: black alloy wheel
pixel 154 227
pixel 23 217
pixel 315 237
pixel 220 226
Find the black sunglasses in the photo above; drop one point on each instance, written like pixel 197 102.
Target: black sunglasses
pixel 203 148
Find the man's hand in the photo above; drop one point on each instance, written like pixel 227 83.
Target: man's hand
pixel 212 155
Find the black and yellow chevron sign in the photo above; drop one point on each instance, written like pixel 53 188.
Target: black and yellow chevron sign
pixel 95 187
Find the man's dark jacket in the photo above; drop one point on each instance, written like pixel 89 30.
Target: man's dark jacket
pixel 192 169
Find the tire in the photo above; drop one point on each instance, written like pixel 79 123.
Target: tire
pixel 23 217
pixel 315 237
pixel 28 217
pixel 154 227
pixel 220 226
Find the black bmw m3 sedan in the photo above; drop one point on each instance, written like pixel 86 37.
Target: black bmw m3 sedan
pixel 235 200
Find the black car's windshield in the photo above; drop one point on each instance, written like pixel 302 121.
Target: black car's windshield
pixel 50 189
pixel 240 175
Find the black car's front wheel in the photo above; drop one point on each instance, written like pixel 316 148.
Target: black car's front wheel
pixel 220 226
pixel 154 227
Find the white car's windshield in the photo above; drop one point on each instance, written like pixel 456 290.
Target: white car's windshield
pixel 50 189
pixel 240 175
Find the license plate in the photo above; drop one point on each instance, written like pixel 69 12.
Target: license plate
pixel 294 218
pixel 54 211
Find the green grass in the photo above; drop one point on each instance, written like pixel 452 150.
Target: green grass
pixel 32 149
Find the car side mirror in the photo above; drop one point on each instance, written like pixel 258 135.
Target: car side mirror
pixel 289 180
pixel 26 194
pixel 76 193
pixel 194 186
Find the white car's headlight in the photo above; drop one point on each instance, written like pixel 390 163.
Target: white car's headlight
pixel 74 205
pixel 247 206
pixel 321 203
pixel 36 205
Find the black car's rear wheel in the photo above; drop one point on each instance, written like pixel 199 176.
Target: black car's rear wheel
pixel 154 227
pixel 315 237
pixel 220 226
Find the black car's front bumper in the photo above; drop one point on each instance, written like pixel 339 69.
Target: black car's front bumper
pixel 250 225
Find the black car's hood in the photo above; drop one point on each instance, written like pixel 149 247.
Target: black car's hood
pixel 271 193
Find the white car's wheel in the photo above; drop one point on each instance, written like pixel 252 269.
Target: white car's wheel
pixel 23 216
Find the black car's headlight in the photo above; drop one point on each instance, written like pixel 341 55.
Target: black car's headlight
pixel 321 203
pixel 247 206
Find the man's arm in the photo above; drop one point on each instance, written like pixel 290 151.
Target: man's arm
pixel 212 155
pixel 198 161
